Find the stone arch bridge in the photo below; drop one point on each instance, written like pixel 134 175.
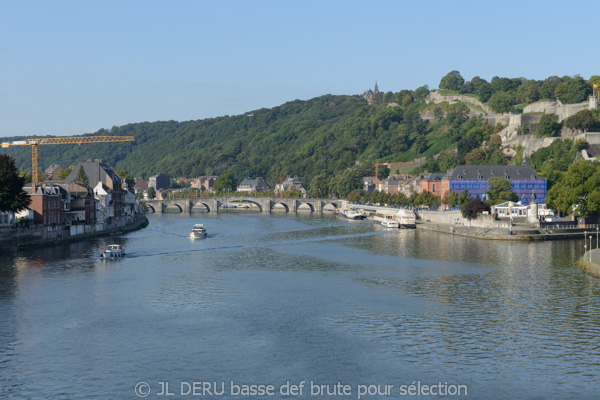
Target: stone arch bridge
pixel 264 204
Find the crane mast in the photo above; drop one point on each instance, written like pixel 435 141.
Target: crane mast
pixel 34 143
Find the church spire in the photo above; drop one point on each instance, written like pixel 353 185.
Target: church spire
pixel 376 88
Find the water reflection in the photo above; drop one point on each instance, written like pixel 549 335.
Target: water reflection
pixel 277 297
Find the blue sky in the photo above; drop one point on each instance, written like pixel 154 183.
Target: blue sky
pixel 73 67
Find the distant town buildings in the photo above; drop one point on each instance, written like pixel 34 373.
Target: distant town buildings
pixel 253 185
pixel 52 171
pixel 474 178
pixel 289 184
pixel 159 181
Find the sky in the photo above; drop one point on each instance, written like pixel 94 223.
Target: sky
pixel 73 67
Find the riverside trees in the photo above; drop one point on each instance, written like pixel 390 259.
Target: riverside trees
pixel 12 196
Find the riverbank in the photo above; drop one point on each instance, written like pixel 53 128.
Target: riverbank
pixel 516 233
pixel 590 263
pixel 17 244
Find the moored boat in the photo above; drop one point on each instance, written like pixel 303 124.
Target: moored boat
pixel 406 218
pixel 390 222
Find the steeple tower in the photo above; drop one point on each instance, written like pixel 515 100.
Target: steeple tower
pixel 376 88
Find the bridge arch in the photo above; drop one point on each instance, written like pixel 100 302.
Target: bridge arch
pixel 332 206
pixel 199 203
pixel 280 203
pixel 250 200
pixel 173 204
pixel 150 207
pixel 306 206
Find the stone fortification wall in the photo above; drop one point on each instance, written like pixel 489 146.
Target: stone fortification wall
pixel 435 97
pixel 557 107
pixel 456 218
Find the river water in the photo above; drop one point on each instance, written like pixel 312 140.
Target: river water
pixel 271 299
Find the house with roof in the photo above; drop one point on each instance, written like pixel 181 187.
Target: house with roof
pixel 288 184
pixel 474 178
pixel 432 182
pixel 46 202
pixel 99 172
pixel 52 171
pixel 159 181
pixel 253 185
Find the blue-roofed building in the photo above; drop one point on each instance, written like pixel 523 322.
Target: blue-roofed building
pixel 474 178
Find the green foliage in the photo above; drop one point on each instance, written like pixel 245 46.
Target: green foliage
pixel 12 196
pixel 556 157
pixel 354 195
pixel 548 126
pixel 63 173
pixel 82 177
pixel 501 102
pixel 319 187
pixel 500 190
pixel 151 193
pixel 582 121
pixel 350 180
pixel 452 81
pixel 224 183
pixel 578 190
pixel 126 177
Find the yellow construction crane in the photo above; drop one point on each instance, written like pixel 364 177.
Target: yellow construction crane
pixel 34 143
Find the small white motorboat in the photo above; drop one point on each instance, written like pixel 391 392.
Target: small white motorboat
pixel 390 222
pixel 114 251
pixel 198 232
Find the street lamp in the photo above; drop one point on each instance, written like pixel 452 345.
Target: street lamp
pixel 510 206
pixel 597 236
pixel 590 248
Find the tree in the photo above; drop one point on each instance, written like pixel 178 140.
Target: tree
pixel 12 196
pixel 450 198
pixel 474 208
pixel 452 81
pixel 151 192
pixel 224 183
pixel 125 176
pixel 500 190
pixel 578 190
pixel 501 102
pixel 351 179
pixel 383 172
pixel 420 144
pixel 582 121
pixel 354 196
pixel 548 126
pixel 319 186
pixel 63 173
pixel 475 157
pixel 464 198
pixel 82 177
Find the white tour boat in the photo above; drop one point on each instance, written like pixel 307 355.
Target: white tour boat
pixel 406 218
pixel 198 232
pixel 114 251
pixel 390 222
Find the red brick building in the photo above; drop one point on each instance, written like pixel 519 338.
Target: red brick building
pixel 46 204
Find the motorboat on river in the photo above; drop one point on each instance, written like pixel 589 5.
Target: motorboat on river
pixel 114 251
pixel 198 232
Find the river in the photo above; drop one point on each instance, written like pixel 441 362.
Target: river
pixel 280 299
